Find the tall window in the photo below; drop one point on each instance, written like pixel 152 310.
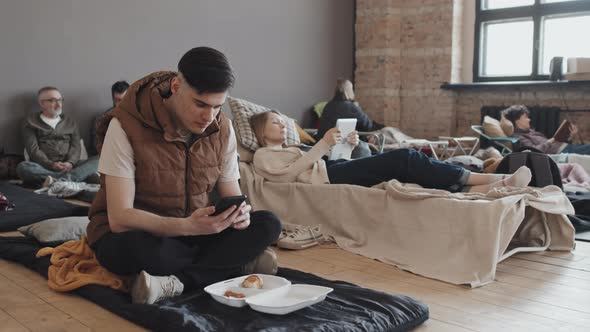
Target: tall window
pixel 515 40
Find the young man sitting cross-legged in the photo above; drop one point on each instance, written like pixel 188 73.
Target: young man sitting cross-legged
pixel 167 146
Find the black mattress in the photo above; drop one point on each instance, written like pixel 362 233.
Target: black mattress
pixel 581 220
pixel 347 308
pixel 31 208
pixel 85 196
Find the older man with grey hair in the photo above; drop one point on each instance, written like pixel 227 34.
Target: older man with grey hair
pixel 52 141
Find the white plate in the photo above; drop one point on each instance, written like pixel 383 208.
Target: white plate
pixel 218 289
pixel 288 299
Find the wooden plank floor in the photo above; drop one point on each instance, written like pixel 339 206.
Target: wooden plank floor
pixel 547 291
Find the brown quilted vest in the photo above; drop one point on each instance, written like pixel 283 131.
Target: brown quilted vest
pixel 171 178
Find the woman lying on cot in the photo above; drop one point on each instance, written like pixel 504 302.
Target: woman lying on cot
pixel 278 163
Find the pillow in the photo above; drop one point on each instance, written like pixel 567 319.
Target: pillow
pixel 318 108
pixel 246 155
pixel 491 127
pixel 56 231
pixel 507 126
pixel 468 162
pixel 242 110
pixel 304 136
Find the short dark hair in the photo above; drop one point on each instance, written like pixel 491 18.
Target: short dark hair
pixel 119 87
pixel 206 70
pixel 46 88
pixel 514 112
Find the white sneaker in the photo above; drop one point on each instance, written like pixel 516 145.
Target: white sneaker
pixel 91 187
pixel 287 228
pixel 148 289
pixel 48 181
pixel 64 188
pixel 297 237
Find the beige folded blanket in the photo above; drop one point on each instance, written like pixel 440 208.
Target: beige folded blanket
pixel 454 237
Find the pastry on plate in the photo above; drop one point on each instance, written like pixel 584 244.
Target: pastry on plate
pixel 252 281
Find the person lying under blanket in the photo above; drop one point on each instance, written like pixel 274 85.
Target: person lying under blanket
pixel 277 162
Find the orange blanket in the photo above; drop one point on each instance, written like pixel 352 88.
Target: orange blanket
pixel 73 265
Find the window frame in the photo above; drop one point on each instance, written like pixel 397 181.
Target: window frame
pixel 535 11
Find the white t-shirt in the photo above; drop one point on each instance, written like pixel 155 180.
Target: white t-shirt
pixel 116 157
pixel 51 122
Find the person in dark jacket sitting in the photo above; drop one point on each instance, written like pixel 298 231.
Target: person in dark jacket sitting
pixel 343 105
pixel 118 90
pixel 52 141
pixel 528 137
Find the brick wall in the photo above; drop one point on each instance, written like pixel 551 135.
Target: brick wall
pixel 378 59
pixel 401 62
pixel 405 51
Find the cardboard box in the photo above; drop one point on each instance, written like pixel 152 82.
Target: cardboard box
pixel 577 76
pixel 578 65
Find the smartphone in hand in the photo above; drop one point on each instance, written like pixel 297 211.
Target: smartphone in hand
pixel 227 202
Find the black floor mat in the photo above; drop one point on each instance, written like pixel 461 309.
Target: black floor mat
pixel 347 308
pixel 583 236
pixel 581 220
pixel 85 196
pixel 581 223
pixel 31 208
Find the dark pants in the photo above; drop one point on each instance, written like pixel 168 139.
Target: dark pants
pixel 195 260
pixel 577 148
pixel 404 165
pixel 361 150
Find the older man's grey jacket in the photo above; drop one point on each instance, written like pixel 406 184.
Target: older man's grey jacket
pixel 46 145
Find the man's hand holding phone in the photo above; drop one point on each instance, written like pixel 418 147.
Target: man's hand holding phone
pixel 242 220
pixel 229 211
pixel 203 221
